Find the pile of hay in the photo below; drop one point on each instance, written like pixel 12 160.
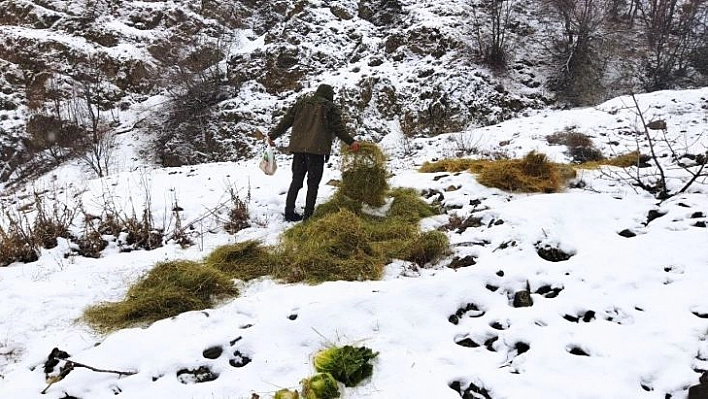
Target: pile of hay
pixel 533 173
pixel 339 242
pixel 244 260
pixel 169 289
pixel 364 174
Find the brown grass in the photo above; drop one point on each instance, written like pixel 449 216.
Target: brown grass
pixel 533 173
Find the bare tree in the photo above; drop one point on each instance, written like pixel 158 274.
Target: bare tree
pixel 87 110
pixel 673 34
pixel 579 51
pixel 655 178
pixel 492 42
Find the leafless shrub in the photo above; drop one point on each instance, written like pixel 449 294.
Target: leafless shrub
pixel 653 177
pixel 196 84
pixel 580 147
pixel 91 243
pixel 26 229
pixel 17 244
pixel 675 32
pixel 492 34
pixel 407 146
pixel 579 52
pixel 465 143
pixel 87 110
pixel 52 221
pixel 238 218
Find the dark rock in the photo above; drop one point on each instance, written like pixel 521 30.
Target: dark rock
pixel 374 62
pixel 196 376
pixel 653 215
pixel 292 316
pixel 658 124
pixel 701 315
pixel 475 392
pixel 489 343
pixel 548 291
pixel 456 386
pixel 522 299
pixel 572 319
pixel 471 310
pixel 589 316
pixel 438 177
pixel 696 215
pixel 340 12
pixel 458 262
pixel 213 352
pixel 239 360
pixel 470 221
pixel 497 325
pixel 500 273
pixel 492 288
pixel 467 343
pixel 575 350
pixel 552 254
pixel 627 233
pixel 498 222
pixel 521 347
pixel 429 193
pixel 233 341
pixel 704 378
pixel 700 224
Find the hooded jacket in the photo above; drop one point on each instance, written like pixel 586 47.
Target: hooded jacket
pixel 315 121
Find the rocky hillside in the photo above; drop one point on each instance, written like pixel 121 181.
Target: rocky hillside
pixel 196 79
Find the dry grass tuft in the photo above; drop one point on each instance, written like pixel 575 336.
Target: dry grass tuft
pixel 448 165
pixel 533 173
pixel 244 260
pixel 621 161
pixel 169 289
pixel 334 247
pixel 364 174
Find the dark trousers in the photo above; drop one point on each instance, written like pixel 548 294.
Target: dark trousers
pixel 311 165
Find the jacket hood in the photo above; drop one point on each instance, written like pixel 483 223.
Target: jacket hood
pixel 325 91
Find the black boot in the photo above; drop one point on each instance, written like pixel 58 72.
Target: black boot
pixel 292 216
pixel 307 214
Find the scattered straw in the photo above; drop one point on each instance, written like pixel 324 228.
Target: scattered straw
pixel 244 260
pixel 169 289
pixel 364 174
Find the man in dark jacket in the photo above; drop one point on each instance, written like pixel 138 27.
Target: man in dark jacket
pixel 315 120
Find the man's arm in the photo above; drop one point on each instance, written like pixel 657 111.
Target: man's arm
pixel 285 123
pixel 337 126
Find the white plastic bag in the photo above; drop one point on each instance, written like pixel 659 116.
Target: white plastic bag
pixel 267 163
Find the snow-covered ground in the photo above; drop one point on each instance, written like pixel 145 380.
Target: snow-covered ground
pixel 630 318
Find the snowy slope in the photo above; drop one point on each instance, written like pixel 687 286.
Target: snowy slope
pixel 630 318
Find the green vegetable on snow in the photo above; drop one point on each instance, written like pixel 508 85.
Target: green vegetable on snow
pixel 320 386
pixel 286 394
pixel 347 364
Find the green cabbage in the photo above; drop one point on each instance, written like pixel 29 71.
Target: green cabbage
pixel 320 386
pixel 347 364
pixel 286 394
